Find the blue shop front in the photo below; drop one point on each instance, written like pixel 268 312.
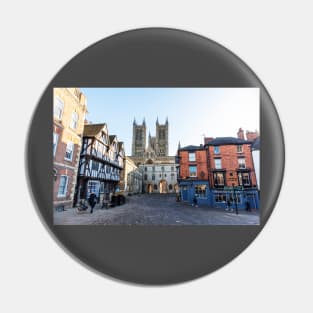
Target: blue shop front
pixel 198 188
pixel 219 198
pixel 232 197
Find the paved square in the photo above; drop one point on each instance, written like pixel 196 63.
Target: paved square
pixel 155 209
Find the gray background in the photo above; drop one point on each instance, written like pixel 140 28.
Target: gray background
pixel 158 254
pixel 274 39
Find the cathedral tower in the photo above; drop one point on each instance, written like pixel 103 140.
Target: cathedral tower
pixel 161 140
pixel 139 139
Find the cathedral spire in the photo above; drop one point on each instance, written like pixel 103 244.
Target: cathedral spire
pixel 144 122
pixel 166 122
pixel 157 120
pixel 134 122
pixel 178 145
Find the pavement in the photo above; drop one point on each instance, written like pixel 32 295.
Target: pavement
pixel 155 209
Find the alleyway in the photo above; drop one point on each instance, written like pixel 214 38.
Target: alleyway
pixel 155 209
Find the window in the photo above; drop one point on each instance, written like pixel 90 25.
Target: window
pixel 242 163
pixel 218 163
pixel 146 169
pixel 93 186
pixel 220 197
pixel 244 179
pixel 145 177
pixel 162 168
pixel 192 171
pixel 153 169
pixel 239 149
pixel 58 108
pixel 170 187
pixel 74 120
pixel 69 151
pixel 234 198
pixel 153 177
pixel 55 142
pixel 200 191
pixel 63 186
pixel 219 179
pixel 94 165
pixel 192 156
pixel 216 150
pixel 172 168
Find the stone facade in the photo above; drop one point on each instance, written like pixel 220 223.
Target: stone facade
pixel 159 177
pixel 70 107
pixel 132 181
pixel 158 169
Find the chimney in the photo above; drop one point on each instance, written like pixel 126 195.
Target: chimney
pixel 252 135
pixel 241 134
pixel 207 140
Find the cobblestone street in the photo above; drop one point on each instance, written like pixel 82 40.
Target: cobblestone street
pixel 155 209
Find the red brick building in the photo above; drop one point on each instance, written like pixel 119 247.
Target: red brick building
pixel 193 173
pixel 70 107
pixel 220 172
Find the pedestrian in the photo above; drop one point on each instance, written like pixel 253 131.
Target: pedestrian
pixel 248 207
pixel 195 201
pixel 92 200
pixel 228 205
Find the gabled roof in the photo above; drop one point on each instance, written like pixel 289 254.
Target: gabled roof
pixel 218 141
pixel 92 130
pixel 120 145
pixel 111 138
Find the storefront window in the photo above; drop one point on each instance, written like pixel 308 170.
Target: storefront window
pixel 200 191
pixel 220 197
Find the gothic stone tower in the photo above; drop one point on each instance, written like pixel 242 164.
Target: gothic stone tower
pixel 139 139
pixel 161 141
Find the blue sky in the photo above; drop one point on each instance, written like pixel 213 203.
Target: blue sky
pixel 191 112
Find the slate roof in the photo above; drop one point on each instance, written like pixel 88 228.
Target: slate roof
pixel 256 144
pixel 91 130
pixel 192 148
pixel 218 141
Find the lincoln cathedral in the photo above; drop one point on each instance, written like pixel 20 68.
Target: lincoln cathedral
pixel 157 167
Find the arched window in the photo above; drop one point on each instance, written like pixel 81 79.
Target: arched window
pixel 74 120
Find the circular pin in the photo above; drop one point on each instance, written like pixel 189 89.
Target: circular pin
pixel 155 156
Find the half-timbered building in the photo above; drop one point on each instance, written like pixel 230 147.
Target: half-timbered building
pixel 100 165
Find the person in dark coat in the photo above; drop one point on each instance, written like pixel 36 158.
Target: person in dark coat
pixel 195 201
pixel 92 200
pixel 228 205
pixel 248 207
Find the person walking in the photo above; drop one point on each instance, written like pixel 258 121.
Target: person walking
pixel 227 205
pixel 248 207
pixel 195 201
pixel 92 200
